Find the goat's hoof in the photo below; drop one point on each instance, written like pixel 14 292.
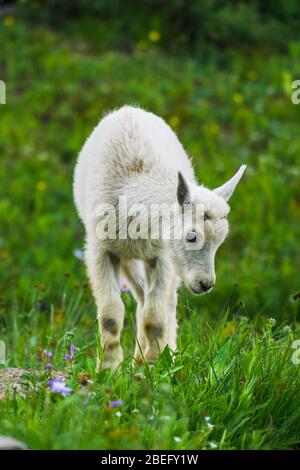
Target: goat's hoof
pixel 151 355
pixel 104 364
pixel 110 361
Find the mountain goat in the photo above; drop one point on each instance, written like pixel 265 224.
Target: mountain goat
pixel 133 156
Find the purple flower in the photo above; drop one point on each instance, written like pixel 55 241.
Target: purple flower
pixel 58 386
pixel 87 399
pixel 47 353
pixel 49 366
pixel 123 285
pixel 114 404
pixel 69 357
pixel 78 254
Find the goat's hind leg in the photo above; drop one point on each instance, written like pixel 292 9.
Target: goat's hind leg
pixel 134 271
pixel 103 273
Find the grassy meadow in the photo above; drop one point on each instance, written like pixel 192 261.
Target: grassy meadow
pixel 233 383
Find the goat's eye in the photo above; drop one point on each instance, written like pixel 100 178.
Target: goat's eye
pixel 206 216
pixel 191 237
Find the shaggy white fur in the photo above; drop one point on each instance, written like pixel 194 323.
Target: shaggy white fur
pixel 135 155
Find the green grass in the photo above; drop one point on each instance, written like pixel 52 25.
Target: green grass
pixel 232 365
pixel 233 385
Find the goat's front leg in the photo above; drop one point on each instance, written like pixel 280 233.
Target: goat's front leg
pixel 172 326
pixel 102 269
pixel 156 308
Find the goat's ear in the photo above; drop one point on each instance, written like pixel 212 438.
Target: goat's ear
pixel 183 192
pixel 227 189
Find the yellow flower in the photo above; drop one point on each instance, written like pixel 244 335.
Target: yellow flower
pixel 115 434
pixel 59 316
pixel 174 121
pixel 154 36
pixel 252 75
pixel 8 21
pixel 5 255
pixel 238 98
pixel 229 329
pixel 41 185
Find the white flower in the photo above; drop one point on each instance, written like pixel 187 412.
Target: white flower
pixel 166 418
pixel 177 439
pixel 212 445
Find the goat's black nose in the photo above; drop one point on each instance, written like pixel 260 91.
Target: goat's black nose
pixel 206 286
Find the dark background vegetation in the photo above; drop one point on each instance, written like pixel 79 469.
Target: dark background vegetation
pixel 219 72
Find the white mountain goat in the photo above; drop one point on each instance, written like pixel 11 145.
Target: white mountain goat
pixel 134 156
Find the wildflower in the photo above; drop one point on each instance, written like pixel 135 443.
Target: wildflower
pixel 118 414
pixel 154 36
pixel 166 417
pixel 123 286
pixel 78 254
pixel 41 185
pixel 114 404
pixel 49 366
pixel 271 322
pixel 4 254
pixel 238 98
pixel 69 357
pixel 208 423
pixel 47 353
pixel 229 329
pixel 212 445
pixel 9 21
pixel 87 399
pixel 58 386
pixel 174 121
pixel 177 439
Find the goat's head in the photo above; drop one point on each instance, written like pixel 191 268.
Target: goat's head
pixel 203 233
